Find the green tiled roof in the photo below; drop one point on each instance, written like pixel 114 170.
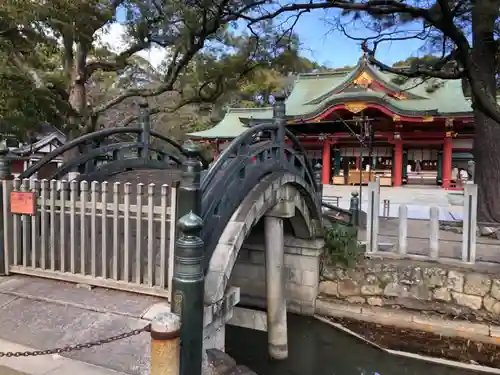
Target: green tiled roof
pixel 314 93
pixel 231 126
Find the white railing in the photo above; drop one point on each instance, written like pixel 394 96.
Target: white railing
pixel 420 239
pixel 111 235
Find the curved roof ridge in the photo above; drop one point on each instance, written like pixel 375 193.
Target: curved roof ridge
pixel 391 86
pixel 244 110
pixel 329 73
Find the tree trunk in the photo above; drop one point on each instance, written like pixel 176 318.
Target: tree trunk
pixel 487 170
pixel 78 100
pixel 487 134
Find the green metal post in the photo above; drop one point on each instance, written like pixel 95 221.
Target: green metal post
pixel 405 165
pixel 354 208
pixel 189 277
pixel 189 195
pixel 336 163
pixel 279 113
pixel 439 179
pixel 4 175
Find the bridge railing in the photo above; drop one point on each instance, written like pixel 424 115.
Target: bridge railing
pixel 110 235
pixel 104 147
pixel 259 151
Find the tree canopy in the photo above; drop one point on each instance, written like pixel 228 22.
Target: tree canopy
pixel 55 70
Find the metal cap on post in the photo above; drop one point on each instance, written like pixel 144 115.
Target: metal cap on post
pixel 317 176
pixel 189 197
pixel 145 124
pixel 279 107
pixel 189 288
pixel 165 344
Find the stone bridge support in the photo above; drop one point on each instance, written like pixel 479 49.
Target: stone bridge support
pixel 279 199
pixel 274 244
pixel 301 274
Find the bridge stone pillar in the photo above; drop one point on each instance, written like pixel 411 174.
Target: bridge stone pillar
pixel 275 278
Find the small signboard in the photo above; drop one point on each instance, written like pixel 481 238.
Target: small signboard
pixel 23 203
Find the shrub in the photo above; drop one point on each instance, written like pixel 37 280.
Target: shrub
pixel 341 245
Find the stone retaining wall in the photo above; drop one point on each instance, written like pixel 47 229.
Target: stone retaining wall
pixel 469 293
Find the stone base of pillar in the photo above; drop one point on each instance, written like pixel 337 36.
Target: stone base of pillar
pixel 215 318
pixel 215 336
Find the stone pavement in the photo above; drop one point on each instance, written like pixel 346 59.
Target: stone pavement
pixel 45 314
pixel 418 199
pixel 45 365
pixel 10 371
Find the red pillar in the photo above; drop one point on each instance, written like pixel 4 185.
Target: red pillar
pixel 358 163
pixel 447 161
pixel 398 164
pixel 325 175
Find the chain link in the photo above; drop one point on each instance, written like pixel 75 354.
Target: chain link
pixel 72 348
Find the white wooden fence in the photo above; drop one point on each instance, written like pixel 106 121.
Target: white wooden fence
pixel 430 248
pixel 110 235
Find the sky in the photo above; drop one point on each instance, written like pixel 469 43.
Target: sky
pixel 323 43
pixel 319 42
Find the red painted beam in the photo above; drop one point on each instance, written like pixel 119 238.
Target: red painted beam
pixel 382 109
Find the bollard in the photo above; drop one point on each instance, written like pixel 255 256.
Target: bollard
pixel 165 344
pixel 387 208
pixel 189 290
pixel 354 208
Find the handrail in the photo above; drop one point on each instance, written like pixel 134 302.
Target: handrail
pixel 302 150
pixel 335 208
pixel 66 167
pixel 233 146
pixel 75 142
pixel 178 146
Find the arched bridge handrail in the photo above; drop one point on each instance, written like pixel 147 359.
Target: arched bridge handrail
pixel 233 146
pixel 118 166
pixel 178 146
pixel 244 139
pixel 302 150
pixel 74 143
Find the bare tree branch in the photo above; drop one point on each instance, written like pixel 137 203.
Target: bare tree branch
pixel 117 62
pixel 417 71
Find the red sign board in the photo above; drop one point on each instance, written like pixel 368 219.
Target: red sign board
pixel 23 203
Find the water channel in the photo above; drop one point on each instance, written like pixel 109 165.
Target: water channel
pixel 318 349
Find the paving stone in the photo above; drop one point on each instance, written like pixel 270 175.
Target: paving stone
pixel 100 299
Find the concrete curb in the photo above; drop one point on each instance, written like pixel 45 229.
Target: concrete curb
pixel 48 364
pixel 481 332
pixel 439 361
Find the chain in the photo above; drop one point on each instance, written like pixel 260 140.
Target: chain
pixel 72 348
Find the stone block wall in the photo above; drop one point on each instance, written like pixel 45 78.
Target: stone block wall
pixel 302 262
pixel 444 289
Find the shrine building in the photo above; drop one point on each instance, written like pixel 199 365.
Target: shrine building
pixel 359 123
